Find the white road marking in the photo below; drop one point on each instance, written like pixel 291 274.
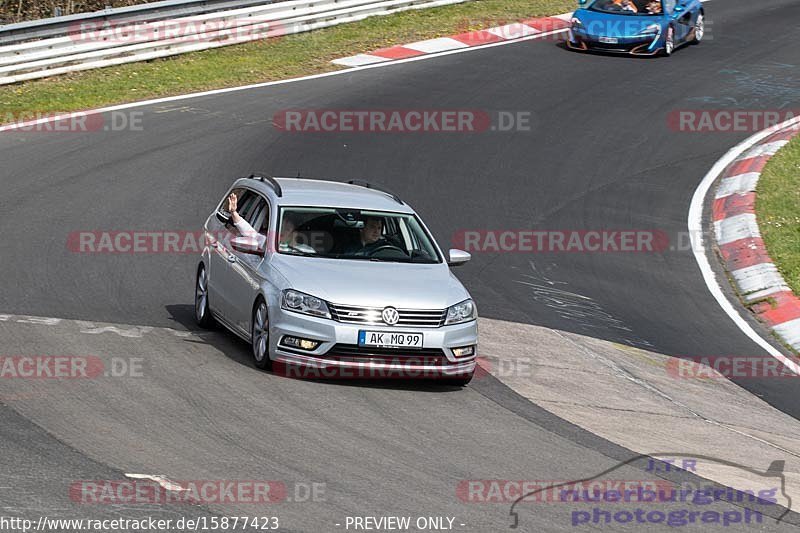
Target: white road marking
pixel 744 226
pixel 44 321
pixel 432 46
pixel 513 31
pixel 165 483
pixel 565 16
pixel 695 223
pixel 789 332
pixel 759 278
pixel 741 184
pixel 764 149
pixel 135 332
pixel 359 60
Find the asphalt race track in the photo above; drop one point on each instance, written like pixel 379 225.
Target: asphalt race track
pixel 600 155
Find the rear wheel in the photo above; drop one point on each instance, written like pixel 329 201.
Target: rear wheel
pixel 669 42
pixel 260 335
pixel 699 29
pixel 202 312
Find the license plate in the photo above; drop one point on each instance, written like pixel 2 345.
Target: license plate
pixel 389 339
pixel 609 40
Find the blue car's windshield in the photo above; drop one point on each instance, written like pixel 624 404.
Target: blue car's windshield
pixel 628 7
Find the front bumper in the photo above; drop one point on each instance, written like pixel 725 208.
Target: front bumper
pixel 339 355
pixel 639 45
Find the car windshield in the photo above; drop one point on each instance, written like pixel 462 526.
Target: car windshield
pixel 354 234
pixel 628 7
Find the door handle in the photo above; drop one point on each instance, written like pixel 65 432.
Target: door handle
pixel 231 258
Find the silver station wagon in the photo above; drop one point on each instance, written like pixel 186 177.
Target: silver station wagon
pixel 335 280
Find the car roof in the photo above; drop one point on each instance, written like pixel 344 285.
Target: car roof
pixel 322 193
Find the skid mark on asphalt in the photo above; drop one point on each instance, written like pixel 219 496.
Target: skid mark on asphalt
pixel 580 310
pixel 92 328
pixel 747 89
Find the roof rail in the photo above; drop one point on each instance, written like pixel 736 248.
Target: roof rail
pixel 367 185
pixel 268 179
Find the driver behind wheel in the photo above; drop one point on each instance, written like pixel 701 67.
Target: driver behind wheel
pixel 371 236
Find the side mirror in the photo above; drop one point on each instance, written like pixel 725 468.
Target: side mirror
pixel 582 2
pixel 247 245
pixel 458 257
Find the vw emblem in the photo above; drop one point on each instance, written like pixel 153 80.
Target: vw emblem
pixel 390 316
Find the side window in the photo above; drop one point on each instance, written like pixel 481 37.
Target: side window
pixel 248 204
pixel 258 215
pixel 222 210
pixel 244 197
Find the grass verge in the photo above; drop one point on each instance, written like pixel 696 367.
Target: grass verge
pixel 778 211
pixel 260 61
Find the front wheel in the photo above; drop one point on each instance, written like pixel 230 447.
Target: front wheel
pixel 669 42
pixel 699 29
pixel 260 336
pixel 202 312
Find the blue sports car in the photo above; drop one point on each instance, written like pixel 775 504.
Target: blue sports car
pixel 636 27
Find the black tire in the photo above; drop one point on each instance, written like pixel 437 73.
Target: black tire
pixel 202 310
pixel 699 28
pixel 259 335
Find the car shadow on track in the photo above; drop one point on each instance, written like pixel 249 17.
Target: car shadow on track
pixel 562 45
pixel 237 350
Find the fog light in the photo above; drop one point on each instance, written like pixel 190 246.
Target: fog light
pixel 303 344
pixel 464 351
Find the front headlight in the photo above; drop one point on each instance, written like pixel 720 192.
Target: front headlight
pixel 575 22
pixel 652 29
pixel 300 302
pixel 459 313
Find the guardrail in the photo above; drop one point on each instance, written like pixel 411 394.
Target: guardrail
pixel 43 48
pixel 59 26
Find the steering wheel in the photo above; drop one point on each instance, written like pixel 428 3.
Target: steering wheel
pixel 395 251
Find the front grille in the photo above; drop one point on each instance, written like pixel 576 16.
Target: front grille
pixel 352 353
pixel 420 318
pixel 625 46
